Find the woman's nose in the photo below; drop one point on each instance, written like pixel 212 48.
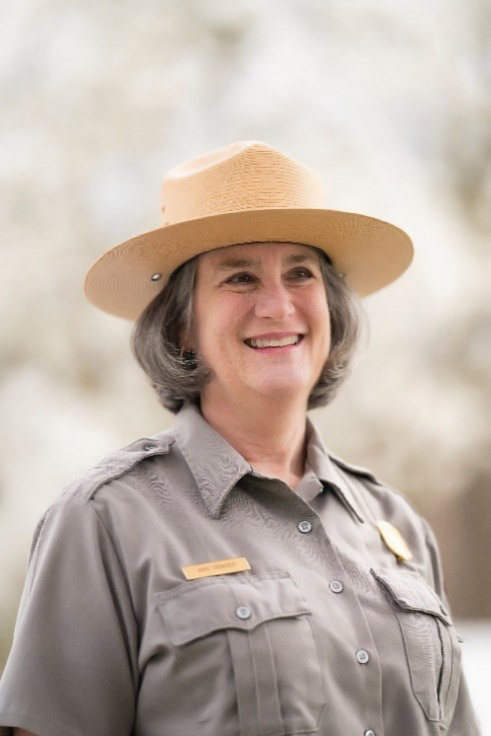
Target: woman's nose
pixel 274 302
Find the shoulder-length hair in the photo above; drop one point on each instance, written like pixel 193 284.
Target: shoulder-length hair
pixel 178 377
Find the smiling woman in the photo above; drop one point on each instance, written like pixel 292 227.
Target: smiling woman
pixel 178 373
pixel 231 575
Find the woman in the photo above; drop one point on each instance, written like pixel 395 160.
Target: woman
pixel 231 575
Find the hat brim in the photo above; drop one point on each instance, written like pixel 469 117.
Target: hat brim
pixel 370 252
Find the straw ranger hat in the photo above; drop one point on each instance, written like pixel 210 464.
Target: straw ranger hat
pixel 244 192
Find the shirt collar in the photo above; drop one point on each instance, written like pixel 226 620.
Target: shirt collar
pixel 217 466
pixel 324 465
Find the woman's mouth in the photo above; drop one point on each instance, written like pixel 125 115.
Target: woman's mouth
pixel 275 346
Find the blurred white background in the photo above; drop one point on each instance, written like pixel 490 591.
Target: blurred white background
pixel 388 100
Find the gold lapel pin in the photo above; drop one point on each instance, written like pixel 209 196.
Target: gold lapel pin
pixel 394 540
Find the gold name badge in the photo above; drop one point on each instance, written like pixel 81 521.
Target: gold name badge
pixel 394 540
pixel 217 567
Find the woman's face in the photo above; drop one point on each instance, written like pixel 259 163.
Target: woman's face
pixel 261 290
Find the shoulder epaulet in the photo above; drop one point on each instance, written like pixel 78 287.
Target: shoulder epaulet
pixel 112 466
pixel 356 469
pixel 117 463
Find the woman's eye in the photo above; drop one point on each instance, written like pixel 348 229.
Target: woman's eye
pixel 239 278
pixel 304 272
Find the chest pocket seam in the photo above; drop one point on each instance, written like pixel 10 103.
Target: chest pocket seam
pixel 274 652
pixel 419 611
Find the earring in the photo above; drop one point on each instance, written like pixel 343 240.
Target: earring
pixel 188 358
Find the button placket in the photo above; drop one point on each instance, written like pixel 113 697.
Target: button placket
pixel 333 567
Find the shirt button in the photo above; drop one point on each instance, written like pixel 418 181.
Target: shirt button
pixel 362 656
pixel 150 447
pixel 369 732
pixel 305 526
pixel 336 586
pixel 243 612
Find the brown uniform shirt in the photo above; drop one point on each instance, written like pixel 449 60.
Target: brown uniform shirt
pixel 326 633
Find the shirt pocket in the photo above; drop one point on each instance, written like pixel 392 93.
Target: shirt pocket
pixel 258 626
pixel 431 642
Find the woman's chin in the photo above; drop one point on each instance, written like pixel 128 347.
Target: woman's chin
pixel 280 389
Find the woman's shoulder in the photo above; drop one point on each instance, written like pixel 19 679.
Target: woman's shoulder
pixel 114 465
pixel 122 462
pixel 380 499
pixel 386 495
pixel 86 500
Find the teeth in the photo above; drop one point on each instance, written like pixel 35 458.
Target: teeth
pixel 292 340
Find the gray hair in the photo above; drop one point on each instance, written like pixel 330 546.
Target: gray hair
pixel 178 377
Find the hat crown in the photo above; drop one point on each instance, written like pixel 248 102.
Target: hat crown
pixel 246 175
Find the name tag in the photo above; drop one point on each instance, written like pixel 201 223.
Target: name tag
pixel 216 567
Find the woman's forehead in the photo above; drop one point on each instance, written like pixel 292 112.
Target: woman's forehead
pixel 257 250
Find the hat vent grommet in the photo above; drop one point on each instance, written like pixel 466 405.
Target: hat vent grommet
pixel 156 276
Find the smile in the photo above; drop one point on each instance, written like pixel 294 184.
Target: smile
pixel 275 346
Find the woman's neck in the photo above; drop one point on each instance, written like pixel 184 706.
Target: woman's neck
pixel 270 435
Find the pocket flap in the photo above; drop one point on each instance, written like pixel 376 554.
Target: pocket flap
pixel 412 593
pixel 197 608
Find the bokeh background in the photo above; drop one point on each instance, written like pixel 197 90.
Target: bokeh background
pixel 389 100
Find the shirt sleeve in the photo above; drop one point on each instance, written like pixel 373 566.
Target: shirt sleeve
pixel 464 721
pixel 72 668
